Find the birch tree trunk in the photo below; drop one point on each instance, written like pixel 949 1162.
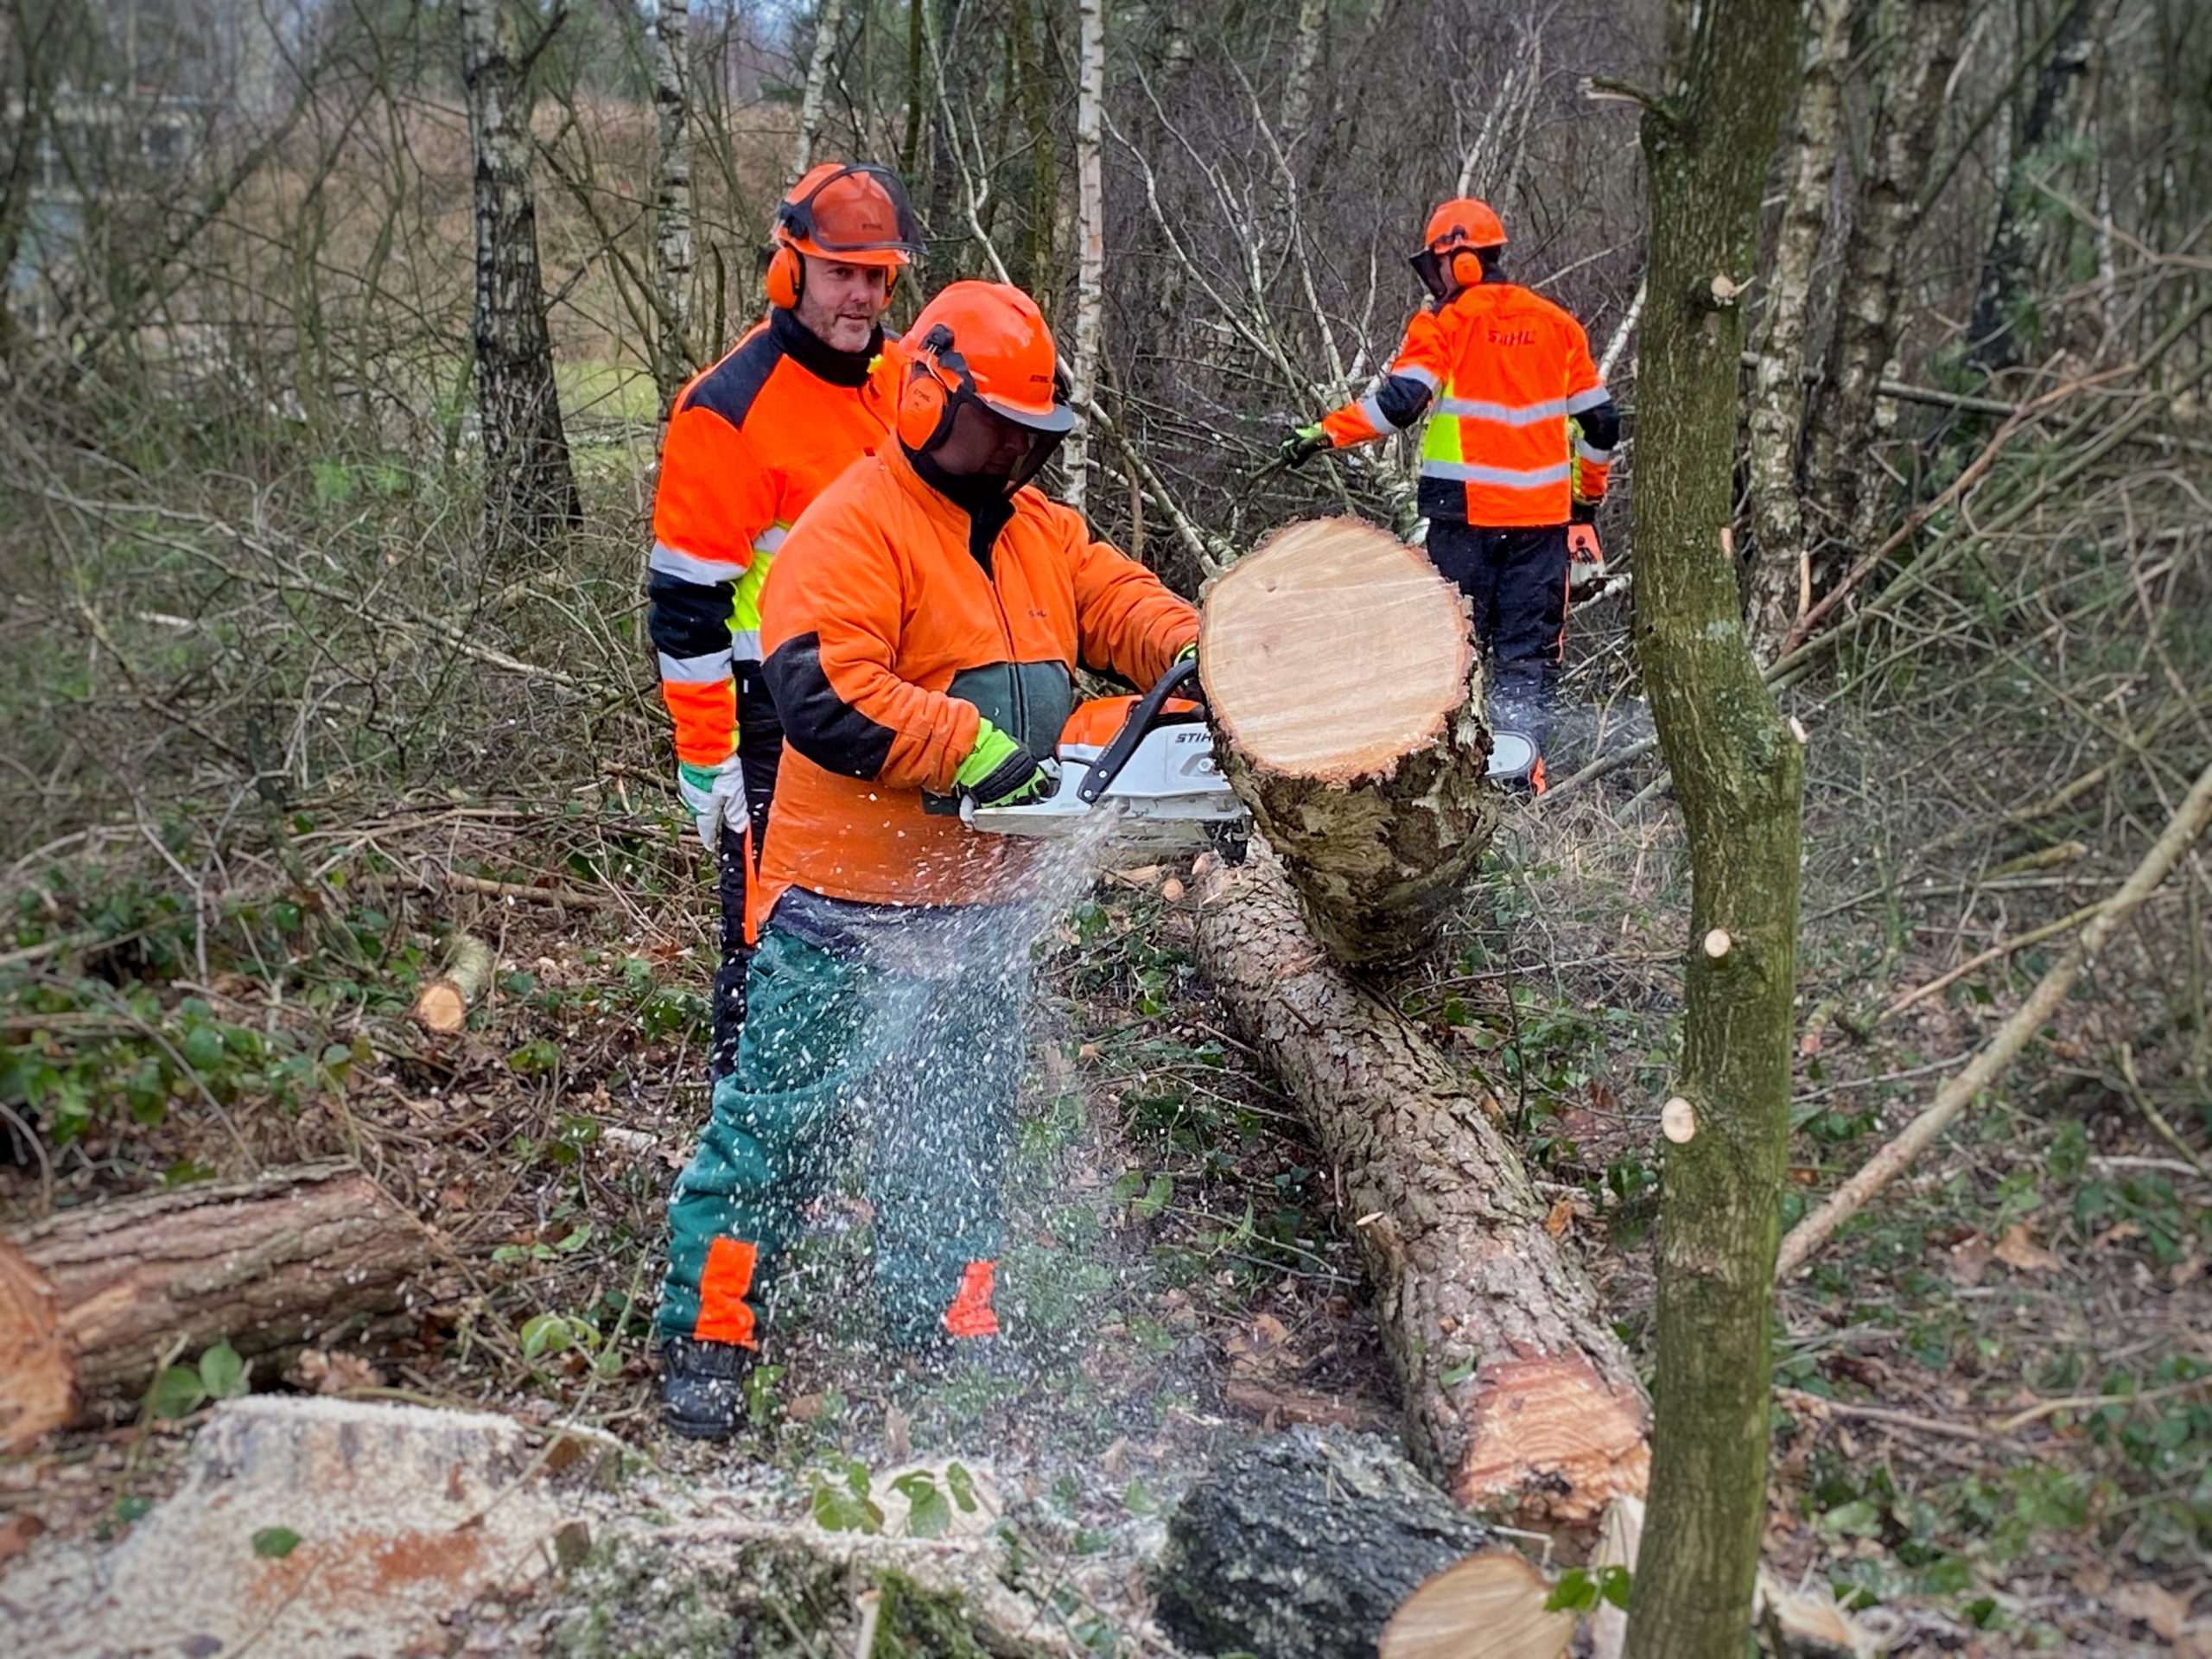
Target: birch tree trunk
pixel 672 198
pixel 1924 36
pixel 1739 775
pixel 529 492
pixel 828 25
pixel 1781 584
pixel 1091 248
pixel 1305 54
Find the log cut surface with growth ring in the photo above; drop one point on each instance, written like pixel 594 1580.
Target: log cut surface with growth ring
pixel 1340 671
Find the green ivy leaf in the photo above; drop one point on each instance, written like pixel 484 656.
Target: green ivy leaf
pixel 177 1392
pixel 1575 1593
pixel 274 1543
pixel 203 1048
pixel 222 1373
pixel 545 1334
pixel 961 1485
pixel 1156 1195
pixel 836 1509
pixel 928 1514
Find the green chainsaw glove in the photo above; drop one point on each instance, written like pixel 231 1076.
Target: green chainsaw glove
pixel 999 772
pixel 1303 444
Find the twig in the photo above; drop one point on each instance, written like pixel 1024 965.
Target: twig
pixel 2180 833
pixel 2158 1119
pixel 2033 936
pixel 568 898
pixel 2043 1408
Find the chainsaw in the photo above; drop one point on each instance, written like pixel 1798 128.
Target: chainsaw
pixel 1146 763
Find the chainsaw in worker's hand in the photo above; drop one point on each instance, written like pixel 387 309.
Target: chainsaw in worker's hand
pixel 1145 763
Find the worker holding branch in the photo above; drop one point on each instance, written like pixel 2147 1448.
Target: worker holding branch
pixel 1519 434
pixel 920 634
pixel 751 440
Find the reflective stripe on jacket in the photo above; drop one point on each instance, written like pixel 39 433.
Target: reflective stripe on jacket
pixel 895 623
pixel 751 442
pixel 1499 370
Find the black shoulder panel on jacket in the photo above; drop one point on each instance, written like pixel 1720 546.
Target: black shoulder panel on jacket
pixel 728 389
pixel 818 723
pixel 1601 425
pixel 1402 398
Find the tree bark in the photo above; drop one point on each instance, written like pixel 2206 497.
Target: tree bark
pixel 1325 1546
pixel 1305 54
pixel 91 1299
pixel 1994 335
pixel 1090 244
pixel 529 492
pixel 1738 771
pixel 1356 738
pixel 1518 1396
pixel 672 360
pixel 1924 36
pixel 829 24
pixel 1781 585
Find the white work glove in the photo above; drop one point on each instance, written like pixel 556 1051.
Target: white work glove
pixel 713 796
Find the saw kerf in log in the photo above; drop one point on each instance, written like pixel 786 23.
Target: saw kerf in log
pixel 1340 674
pixel 91 1299
pixel 1519 1397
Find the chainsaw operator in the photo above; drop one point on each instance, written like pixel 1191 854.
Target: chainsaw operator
pixel 750 441
pixel 921 632
pixel 1519 434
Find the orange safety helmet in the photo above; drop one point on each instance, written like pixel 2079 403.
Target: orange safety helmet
pixel 1446 260
pixel 857 213
pixel 985 343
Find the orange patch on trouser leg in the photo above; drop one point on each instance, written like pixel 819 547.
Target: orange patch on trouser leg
pixel 971 1313
pixel 724 1315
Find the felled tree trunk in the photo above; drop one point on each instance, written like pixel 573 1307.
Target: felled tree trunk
pixel 1518 1395
pixel 1339 669
pixel 91 1299
pixel 1330 1545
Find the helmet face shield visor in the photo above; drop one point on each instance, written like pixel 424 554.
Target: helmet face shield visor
pixel 1428 265
pixel 858 210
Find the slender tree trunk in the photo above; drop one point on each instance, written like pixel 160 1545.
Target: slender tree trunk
pixel 917 92
pixel 1994 334
pixel 1738 773
pixel 1091 247
pixel 828 25
pixel 529 492
pixel 1037 266
pixel 1924 36
pixel 1777 413
pixel 1305 54
pixel 672 197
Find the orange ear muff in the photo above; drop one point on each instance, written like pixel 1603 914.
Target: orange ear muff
pixel 1467 269
pixel 784 277
pixel 924 409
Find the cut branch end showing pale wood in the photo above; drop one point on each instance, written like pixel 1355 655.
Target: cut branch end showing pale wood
pixel 443 1004
pixel 1339 671
pixel 1489 1607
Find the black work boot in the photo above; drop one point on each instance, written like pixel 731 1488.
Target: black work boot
pixel 702 1387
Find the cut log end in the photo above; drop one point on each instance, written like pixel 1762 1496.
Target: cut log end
pixel 40 1377
pixel 442 1005
pixel 1300 694
pixel 1489 1607
pixel 1548 1438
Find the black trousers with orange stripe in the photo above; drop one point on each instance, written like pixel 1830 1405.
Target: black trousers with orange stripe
pixel 760 748
pixel 1516 584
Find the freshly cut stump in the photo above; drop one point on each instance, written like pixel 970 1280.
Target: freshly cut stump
pixel 93 1298
pixel 1519 1397
pixel 1340 669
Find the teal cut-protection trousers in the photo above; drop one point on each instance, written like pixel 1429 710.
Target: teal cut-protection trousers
pixel 920 1070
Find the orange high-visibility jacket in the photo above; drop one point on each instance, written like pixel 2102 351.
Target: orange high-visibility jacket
pixel 1500 372
pixel 751 442
pixel 894 624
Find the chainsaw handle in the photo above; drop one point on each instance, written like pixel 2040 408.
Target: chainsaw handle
pixel 1108 767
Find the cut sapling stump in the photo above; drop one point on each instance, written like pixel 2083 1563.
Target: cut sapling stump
pixel 442 1005
pixel 1339 671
